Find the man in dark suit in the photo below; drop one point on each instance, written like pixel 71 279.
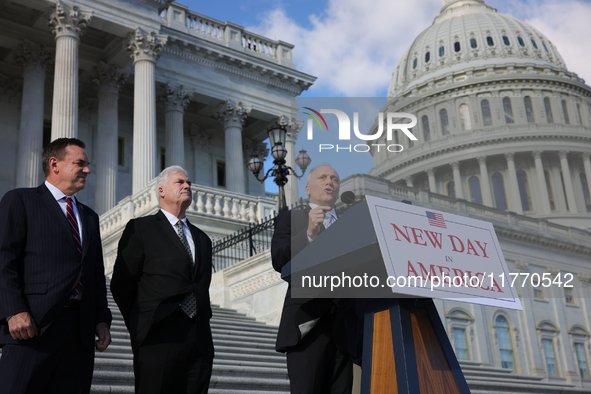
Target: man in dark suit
pixel 52 284
pixel 319 335
pixel 161 283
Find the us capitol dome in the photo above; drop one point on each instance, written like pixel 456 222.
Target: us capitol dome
pixel 501 120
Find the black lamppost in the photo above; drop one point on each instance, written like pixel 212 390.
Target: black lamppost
pixel 280 171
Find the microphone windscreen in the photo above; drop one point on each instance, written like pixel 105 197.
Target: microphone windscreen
pixel 348 197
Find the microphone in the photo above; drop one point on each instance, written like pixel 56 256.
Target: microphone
pixel 348 197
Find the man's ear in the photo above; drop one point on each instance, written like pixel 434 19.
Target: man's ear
pixel 161 192
pixel 308 190
pixel 53 165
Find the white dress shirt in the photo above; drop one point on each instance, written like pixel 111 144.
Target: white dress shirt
pixel 173 221
pixel 60 197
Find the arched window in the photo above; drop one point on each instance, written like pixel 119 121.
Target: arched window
pixel 475 193
pixel 585 186
pixel 451 189
pixel 565 112
pixel 486 116
pixel 473 43
pixel 505 343
pixel 550 354
pixel 523 190
pixel 460 343
pixel 534 43
pixel 465 117
pixel 581 360
pixel 508 110
pixel 426 131
pixel 548 109
pixel 529 110
pixel 499 191
pixel 427 57
pixel 520 40
pixel 489 41
pixel 506 40
pixel 444 122
pixel 546 48
pixel 441 51
pixel 549 189
pixel 580 119
pixel 414 63
pixel 457 46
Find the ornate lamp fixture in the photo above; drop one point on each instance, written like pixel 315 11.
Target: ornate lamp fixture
pixel 280 171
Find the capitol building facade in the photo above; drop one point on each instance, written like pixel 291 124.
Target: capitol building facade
pixel 503 135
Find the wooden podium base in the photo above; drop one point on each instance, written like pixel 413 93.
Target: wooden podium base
pixel 406 350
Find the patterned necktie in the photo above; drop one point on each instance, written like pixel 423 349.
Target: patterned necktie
pixel 189 304
pixel 328 220
pixel 76 234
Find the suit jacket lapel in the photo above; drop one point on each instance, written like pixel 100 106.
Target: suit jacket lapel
pixel 197 243
pixel 85 221
pixel 53 206
pixel 169 231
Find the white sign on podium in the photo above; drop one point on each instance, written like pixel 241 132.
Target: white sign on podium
pixel 435 254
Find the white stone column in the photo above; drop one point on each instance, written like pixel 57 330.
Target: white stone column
pixel 144 48
pixel 109 79
pixel 485 182
pixel 432 183
pixel 35 60
pixel 568 183
pixel 514 194
pixel 293 128
pixel 68 25
pixel 232 116
pixel 455 166
pixel 543 187
pixel 201 140
pixel 175 100
pixel 587 166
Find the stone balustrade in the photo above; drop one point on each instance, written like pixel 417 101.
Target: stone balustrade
pixel 208 202
pixel 363 185
pixel 179 17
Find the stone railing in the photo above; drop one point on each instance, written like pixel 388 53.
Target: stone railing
pixel 363 185
pixel 208 202
pixel 179 17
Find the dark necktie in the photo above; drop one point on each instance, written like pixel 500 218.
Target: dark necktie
pixel 76 234
pixel 189 304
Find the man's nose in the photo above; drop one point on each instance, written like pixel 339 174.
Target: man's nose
pixel 86 170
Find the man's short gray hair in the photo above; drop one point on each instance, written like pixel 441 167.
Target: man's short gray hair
pixel 162 178
pixel 315 168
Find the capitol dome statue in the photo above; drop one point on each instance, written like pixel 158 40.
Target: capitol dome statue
pixel 501 122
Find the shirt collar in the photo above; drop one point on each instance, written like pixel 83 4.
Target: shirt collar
pixel 57 193
pixel 331 212
pixel 173 219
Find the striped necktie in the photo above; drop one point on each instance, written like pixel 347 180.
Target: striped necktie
pixel 189 304
pixel 76 234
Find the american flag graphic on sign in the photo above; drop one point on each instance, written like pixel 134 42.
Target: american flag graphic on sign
pixel 436 219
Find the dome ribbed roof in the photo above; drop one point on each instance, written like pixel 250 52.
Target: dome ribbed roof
pixel 469 34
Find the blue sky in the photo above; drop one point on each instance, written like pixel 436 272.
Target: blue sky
pixel 353 46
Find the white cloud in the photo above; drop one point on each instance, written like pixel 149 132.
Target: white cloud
pixel 353 46
pixel 568 26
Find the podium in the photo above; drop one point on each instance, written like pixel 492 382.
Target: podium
pixel 405 346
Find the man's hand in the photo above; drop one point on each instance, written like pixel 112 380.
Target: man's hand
pixel 315 220
pixel 104 336
pixel 22 326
